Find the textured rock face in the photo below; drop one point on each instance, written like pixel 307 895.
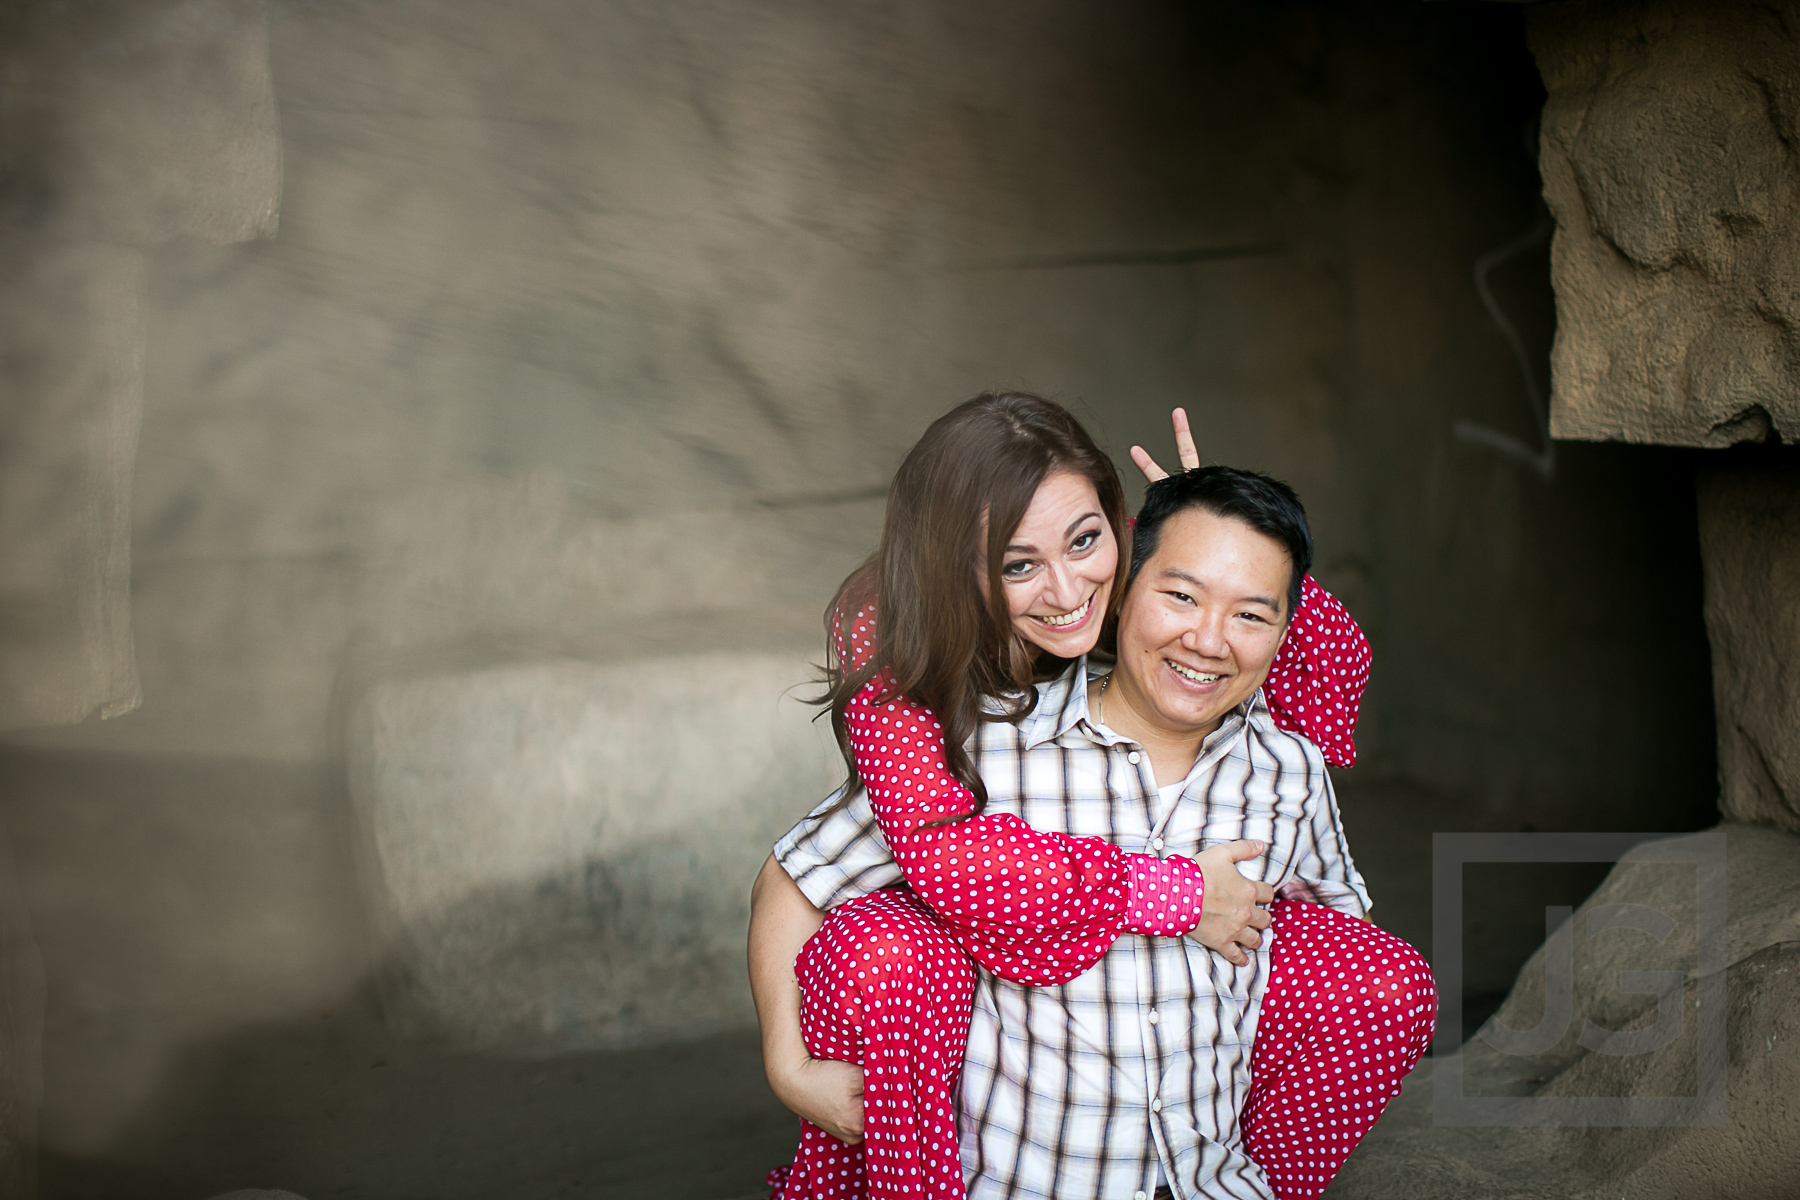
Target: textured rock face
pixel 147 120
pixel 550 267
pixel 127 124
pixel 1667 157
pixel 71 320
pixel 594 328
pixel 1754 1152
pixel 1750 539
pixel 562 852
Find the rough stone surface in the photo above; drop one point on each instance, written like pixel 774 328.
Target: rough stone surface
pixel 1750 541
pixel 593 331
pixel 555 270
pixel 1667 158
pixel 72 330
pixel 1755 1153
pixel 138 121
pixel 562 852
pixel 123 124
pixel 126 124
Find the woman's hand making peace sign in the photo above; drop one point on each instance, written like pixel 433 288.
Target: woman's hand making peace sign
pixel 1184 446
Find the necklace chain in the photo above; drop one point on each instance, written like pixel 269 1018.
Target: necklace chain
pixel 1102 698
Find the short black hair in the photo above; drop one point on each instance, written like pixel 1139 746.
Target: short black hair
pixel 1267 505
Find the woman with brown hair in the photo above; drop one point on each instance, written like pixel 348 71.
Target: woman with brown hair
pixel 1004 537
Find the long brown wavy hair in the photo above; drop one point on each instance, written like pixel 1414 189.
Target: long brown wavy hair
pixel 945 646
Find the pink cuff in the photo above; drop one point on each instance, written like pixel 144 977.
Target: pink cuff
pixel 1166 895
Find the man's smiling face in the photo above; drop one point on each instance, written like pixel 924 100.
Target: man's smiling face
pixel 1202 622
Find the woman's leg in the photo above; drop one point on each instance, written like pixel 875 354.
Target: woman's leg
pixel 1349 1010
pixel 883 985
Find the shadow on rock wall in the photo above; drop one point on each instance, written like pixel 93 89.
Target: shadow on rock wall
pixel 214 1021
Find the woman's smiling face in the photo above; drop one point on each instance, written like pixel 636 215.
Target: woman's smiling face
pixel 1058 567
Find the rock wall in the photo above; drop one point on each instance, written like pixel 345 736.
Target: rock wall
pixel 694 281
pixel 593 331
pixel 1667 160
pixel 1667 155
pixel 1750 537
pixel 558 842
pixel 122 126
pixel 21 1035
pixel 126 126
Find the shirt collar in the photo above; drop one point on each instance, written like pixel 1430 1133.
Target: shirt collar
pixel 1063 704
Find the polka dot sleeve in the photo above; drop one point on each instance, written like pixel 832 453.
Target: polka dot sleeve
pixel 1315 686
pixel 1167 895
pixel 1036 908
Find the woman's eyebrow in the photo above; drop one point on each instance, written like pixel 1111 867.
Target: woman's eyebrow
pixel 1023 548
pixel 1078 521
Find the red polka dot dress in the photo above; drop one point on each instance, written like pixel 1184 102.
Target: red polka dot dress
pixel 1316 683
pixel 1032 907
pixel 1349 1011
pixel 884 985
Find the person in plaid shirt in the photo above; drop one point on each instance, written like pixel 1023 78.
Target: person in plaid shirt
pixel 1165 1064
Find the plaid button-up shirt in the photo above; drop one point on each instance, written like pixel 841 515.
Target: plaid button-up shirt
pixel 1085 1089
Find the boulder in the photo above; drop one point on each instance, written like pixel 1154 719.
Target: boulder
pixel 1752 1149
pixel 1667 161
pixel 561 853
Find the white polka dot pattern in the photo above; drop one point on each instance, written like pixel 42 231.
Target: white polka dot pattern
pixel 1165 896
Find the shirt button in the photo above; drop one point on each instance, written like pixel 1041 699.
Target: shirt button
pixel 1140 1196
pixel 1133 758
pixel 1156 1106
pixel 1156 843
pixel 1153 1018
